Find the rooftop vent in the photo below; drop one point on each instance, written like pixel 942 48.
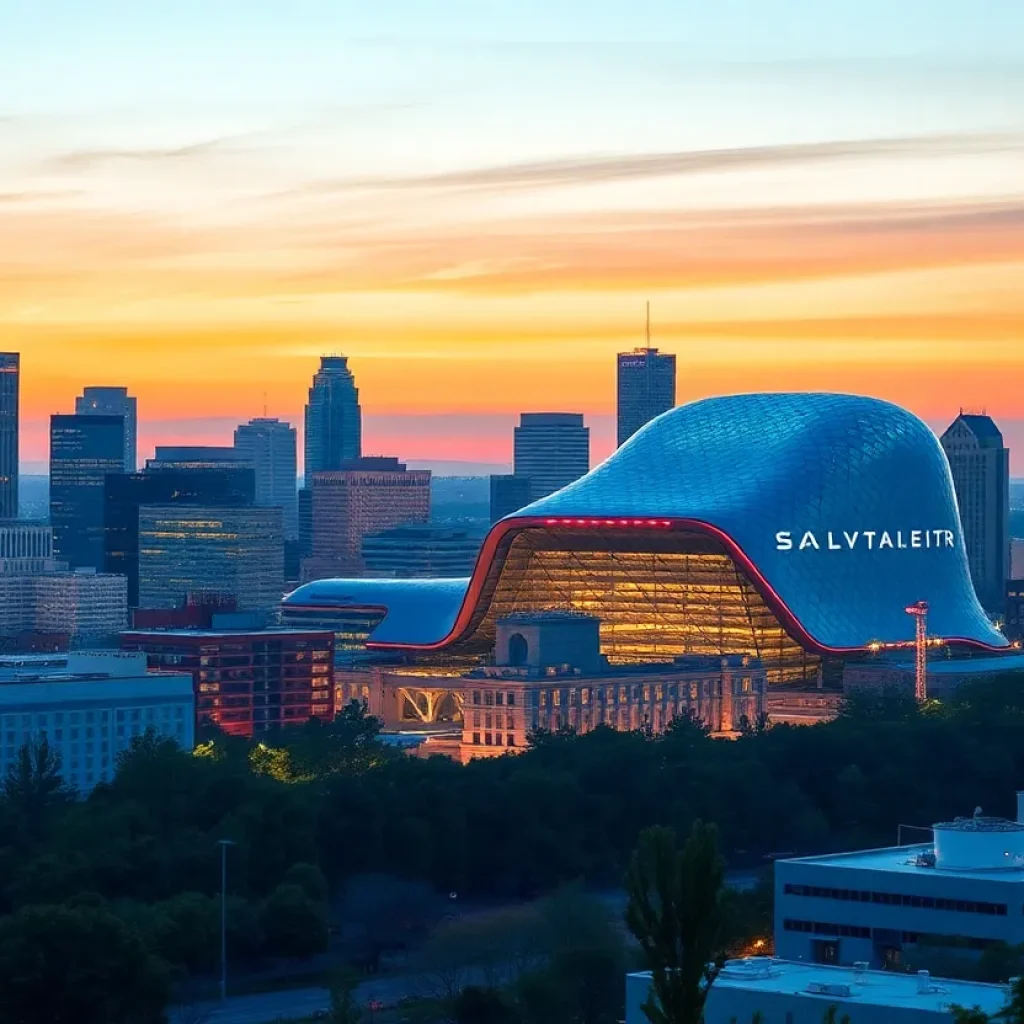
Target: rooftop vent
pixel 837 989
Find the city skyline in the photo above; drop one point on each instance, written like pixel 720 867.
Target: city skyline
pixel 469 203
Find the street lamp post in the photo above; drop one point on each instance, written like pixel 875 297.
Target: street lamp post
pixel 224 844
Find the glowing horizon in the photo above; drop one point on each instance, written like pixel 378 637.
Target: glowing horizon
pixel 474 207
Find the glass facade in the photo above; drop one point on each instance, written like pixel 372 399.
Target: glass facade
pixel 125 494
pixel 84 450
pixel 10 365
pixel 658 596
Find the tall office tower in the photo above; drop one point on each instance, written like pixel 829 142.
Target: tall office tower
pixel 270 447
pixel 102 401
pixel 84 450
pixel 10 364
pixel 365 496
pixel 646 388
pixel 552 449
pixel 126 494
pixel 197 456
pixel 305 522
pixel 509 493
pixel 194 549
pixel 980 465
pixel 334 432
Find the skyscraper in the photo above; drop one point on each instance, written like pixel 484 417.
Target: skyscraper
pixel 333 417
pixel 125 494
pixel 980 465
pixel 83 451
pixel 646 388
pixel 270 446
pixel 10 364
pixel 364 496
pixel 552 449
pixel 106 401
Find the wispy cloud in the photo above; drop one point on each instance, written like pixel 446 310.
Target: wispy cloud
pixel 601 169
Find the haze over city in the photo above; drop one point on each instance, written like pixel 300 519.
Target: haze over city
pixel 474 201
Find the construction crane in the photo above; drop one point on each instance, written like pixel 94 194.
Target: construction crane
pixel 920 612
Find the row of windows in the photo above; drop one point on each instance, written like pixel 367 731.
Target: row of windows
pixel 494 739
pixel 898 899
pixel 60 718
pixel 491 721
pixel 852 931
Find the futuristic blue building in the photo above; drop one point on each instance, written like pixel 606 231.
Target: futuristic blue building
pixel 791 527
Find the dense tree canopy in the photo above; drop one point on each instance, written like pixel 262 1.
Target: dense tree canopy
pixel 319 805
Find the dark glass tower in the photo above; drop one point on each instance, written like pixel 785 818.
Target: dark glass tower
pixel 113 401
pixel 83 451
pixel 10 365
pixel 125 494
pixel 333 418
pixel 646 388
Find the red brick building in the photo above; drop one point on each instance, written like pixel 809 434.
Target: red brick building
pixel 247 683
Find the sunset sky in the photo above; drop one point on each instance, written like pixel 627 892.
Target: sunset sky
pixel 473 201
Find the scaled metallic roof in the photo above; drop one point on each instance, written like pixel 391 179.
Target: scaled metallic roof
pixel 840 509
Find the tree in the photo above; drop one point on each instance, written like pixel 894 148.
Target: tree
pixel 344 1008
pixel 33 789
pixel 477 1005
pixel 83 965
pixel 294 925
pixel 675 912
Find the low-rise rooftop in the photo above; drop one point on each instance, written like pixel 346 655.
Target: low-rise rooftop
pixel 849 986
pixel 917 859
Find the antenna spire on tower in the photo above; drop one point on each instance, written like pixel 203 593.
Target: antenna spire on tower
pixel 648 323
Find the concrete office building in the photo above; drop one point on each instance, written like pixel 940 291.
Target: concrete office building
pixel 108 401
pixel 783 992
pixel 26 547
pixel 334 428
pixel 125 494
pixel 366 496
pixel 980 464
pixel 89 706
pixel 189 549
pixel 957 894
pixel 418 550
pixel 269 446
pixel 80 608
pixel 551 449
pixel 509 493
pixel 646 387
pixel 84 450
pixel 247 682
pixel 10 375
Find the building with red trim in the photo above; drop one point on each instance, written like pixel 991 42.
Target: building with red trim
pixel 792 528
pixel 247 682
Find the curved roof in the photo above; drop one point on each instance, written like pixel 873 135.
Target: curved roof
pixel 839 508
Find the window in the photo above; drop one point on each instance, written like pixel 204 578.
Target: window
pixel 476 739
pixel 487 739
pixel 510 700
pixel 511 740
pixel 499 698
pixel 898 899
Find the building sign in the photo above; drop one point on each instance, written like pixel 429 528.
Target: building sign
pixel 863 540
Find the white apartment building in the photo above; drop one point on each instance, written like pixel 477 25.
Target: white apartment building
pixel 89 705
